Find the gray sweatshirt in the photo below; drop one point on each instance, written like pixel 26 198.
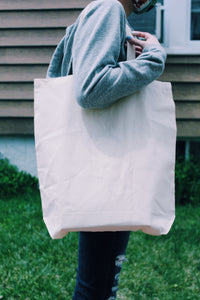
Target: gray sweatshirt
pixel 93 51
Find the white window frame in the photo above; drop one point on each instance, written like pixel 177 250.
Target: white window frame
pixel 177 23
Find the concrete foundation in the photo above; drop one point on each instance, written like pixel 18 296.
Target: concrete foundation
pixel 20 150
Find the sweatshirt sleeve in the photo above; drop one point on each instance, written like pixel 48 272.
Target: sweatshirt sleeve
pixel 99 78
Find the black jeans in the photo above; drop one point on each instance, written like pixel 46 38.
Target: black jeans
pixel 101 255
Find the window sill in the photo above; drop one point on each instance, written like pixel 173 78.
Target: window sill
pixel 183 50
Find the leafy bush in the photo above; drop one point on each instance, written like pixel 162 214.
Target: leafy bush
pixel 187 181
pixel 14 182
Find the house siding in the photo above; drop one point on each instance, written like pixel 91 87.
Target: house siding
pixel 29 33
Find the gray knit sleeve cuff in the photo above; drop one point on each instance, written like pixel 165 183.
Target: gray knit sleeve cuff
pixel 156 48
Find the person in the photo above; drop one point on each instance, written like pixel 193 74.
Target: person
pixel 94 51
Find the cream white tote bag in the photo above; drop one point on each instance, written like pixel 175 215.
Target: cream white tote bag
pixel 105 169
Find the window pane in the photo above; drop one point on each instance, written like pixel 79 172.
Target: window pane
pixel 195 20
pixel 146 21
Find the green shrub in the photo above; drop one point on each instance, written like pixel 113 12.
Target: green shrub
pixel 187 181
pixel 14 182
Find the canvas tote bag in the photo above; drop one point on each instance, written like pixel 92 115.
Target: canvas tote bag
pixel 106 169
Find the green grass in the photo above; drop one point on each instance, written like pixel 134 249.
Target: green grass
pixel 32 266
pixel 165 267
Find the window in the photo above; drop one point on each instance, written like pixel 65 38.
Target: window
pixel 195 20
pixel 176 23
pixel 151 21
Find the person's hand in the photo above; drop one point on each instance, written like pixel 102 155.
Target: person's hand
pixel 140 44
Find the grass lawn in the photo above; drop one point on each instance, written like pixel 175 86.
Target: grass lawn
pixel 32 266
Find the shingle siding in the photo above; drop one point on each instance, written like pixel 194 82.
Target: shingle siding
pixel 184 73
pixel 29 33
